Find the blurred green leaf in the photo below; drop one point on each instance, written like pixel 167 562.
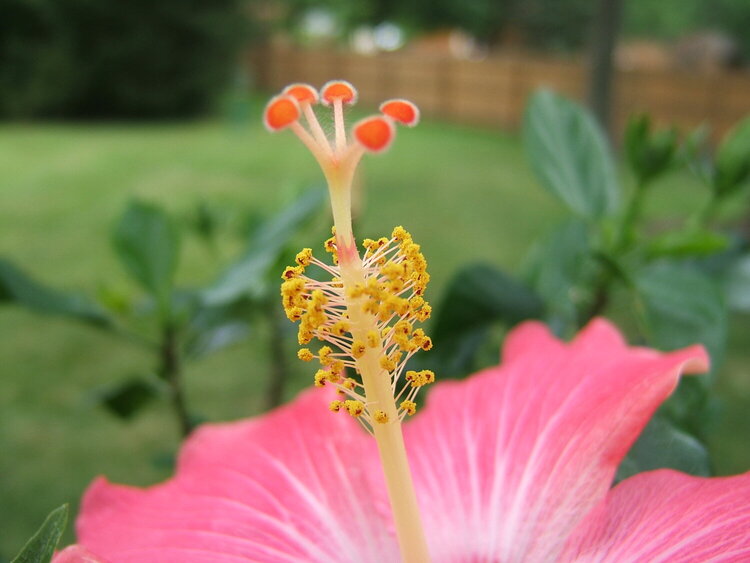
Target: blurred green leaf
pixel 569 154
pixel 738 285
pixel 215 328
pixel 477 296
pixel 663 445
pixel 732 163
pixel 558 268
pixel 17 287
pixel 125 398
pixel 690 243
pixel 41 546
pixel 649 154
pixel 147 242
pixel 682 306
pixel 248 276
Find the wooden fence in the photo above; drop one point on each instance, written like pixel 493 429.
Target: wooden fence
pixel 493 92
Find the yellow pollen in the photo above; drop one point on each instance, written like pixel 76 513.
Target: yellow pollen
pixel 291 272
pixel 358 349
pixel 321 376
pixel 373 339
pixel 336 406
pixel 381 417
pixel 305 355
pixel 304 257
pixel 409 407
pixel 354 408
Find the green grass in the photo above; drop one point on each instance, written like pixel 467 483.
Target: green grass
pixel 465 195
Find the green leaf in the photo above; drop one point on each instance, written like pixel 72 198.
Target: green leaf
pixel 738 285
pixel 17 287
pixel 215 328
pixel 649 154
pixel 732 164
pixel 148 243
pixel 248 276
pixel 682 306
pixel 663 445
pixel 41 546
pixel 691 243
pixel 126 398
pixel 558 269
pixel 477 296
pixel 569 154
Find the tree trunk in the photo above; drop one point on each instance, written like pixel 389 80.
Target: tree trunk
pixel 606 26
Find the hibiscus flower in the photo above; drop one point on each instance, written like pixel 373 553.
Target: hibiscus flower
pixel 513 464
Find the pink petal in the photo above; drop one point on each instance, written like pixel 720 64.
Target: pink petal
pixel 298 484
pixel 508 462
pixel 664 516
pixel 76 554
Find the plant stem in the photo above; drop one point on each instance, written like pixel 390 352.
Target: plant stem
pixel 171 371
pixel 377 384
pixel 279 373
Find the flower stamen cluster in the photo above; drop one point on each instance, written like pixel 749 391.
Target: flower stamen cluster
pixel 392 295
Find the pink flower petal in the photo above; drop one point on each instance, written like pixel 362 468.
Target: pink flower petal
pixel 508 462
pixel 76 554
pixel 664 516
pixel 298 484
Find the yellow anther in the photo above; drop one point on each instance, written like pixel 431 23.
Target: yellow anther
pixel 382 241
pixel 371 307
pixel 324 355
pixel 358 349
pixel 349 383
pixel 354 408
pixel 357 291
pixel 427 344
pixel 291 272
pixel 399 234
pixel 387 364
pixel 336 406
pixel 381 417
pixel 385 331
pixel 337 367
pixel 373 339
pixel 393 271
pixel 395 286
pixel 305 355
pixel 416 302
pixel 294 313
pixel 304 257
pixel 304 335
pixel 321 376
pixel 424 313
pixel 429 376
pixel 418 337
pixel 402 327
pixel 370 245
pixel 409 407
pixel 340 328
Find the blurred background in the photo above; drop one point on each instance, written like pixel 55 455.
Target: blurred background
pixel 145 214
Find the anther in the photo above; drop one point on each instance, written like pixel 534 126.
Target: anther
pixel 402 111
pixel 381 417
pixel 375 133
pixel 338 90
pixel 303 93
pixel 280 113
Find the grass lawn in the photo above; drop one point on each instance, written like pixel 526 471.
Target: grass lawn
pixel 465 195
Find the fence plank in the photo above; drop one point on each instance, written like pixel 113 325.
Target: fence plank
pixel 493 91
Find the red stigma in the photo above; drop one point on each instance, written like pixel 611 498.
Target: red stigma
pixel 281 112
pixel 375 133
pixel 402 111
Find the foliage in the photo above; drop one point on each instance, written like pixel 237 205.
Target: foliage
pixel 668 286
pixel 175 324
pixel 110 58
pixel 41 546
